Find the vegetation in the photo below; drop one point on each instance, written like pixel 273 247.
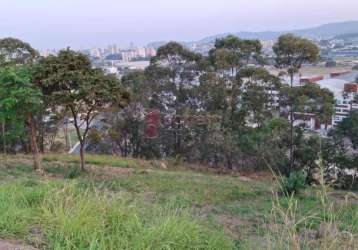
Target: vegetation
pixel 175 209
pixel 70 82
pixel 291 53
pixel 294 183
pixel 198 135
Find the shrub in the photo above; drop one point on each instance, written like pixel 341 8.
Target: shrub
pixel 57 147
pixel 176 161
pixel 294 183
pixel 73 172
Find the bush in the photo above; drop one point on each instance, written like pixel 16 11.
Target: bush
pixel 176 161
pixel 57 147
pixel 294 183
pixel 73 172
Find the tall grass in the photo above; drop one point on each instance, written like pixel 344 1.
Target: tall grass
pixel 76 218
pixel 329 225
pixel 85 220
pixel 19 208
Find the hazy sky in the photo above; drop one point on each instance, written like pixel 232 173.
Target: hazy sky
pixel 88 23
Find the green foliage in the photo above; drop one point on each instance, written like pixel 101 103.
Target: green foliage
pixel 82 223
pixel 268 143
pixel 74 218
pixel 20 100
pixel 16 52
pixel 158 209
pixel 339 149
pixel 309 98
pixel 18 206
pixel 18 95
pixel 176 161
pixel 73 172
pixel 106 160
pixel 294 183
pixel 349 128
pixel 291 52
pixel 71 83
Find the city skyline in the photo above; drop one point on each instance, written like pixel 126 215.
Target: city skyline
pixel 85 24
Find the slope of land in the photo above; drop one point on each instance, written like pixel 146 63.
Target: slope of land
pixel 130 204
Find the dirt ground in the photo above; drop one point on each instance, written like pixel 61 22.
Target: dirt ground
pixel 14 245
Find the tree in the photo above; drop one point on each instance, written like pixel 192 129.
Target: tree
pixel 173 75
pixel 291 53
pixel 15 52
pixel 257 100
pixel 71 82
pixel 19 97
pixel 349 128
pixel 340 148
pixel 330 64
pixel 16 59
pixel 239 92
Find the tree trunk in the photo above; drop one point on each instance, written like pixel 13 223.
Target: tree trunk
pixel 82 155
pixel 66 138
pixel 42 135
pixel 33 144
pixel 3 136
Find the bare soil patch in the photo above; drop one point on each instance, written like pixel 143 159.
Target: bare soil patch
pixel 233 224
pixel 14 245
pixel 109 172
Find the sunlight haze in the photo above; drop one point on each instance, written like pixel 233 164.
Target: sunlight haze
pixel 82 23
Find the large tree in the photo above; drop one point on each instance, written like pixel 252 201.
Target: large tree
pixel 173 75
pixel 291 53
pixel 16 60
pixel 71 82
pixel 20 98
pixel 16 52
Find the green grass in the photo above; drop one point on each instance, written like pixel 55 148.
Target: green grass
pixel 72 217
pixel 19 207
pixel 81 223
pixel 103 160
pixel 156 209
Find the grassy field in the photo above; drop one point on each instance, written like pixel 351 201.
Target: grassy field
pixel 129 204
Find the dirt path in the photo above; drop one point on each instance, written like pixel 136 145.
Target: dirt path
pixel 14 245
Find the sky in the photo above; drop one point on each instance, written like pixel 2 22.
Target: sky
pixel 89 23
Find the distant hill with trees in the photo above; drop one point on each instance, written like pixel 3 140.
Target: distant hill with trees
pixel 325 31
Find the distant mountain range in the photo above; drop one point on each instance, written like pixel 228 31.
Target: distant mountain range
pixel 326 31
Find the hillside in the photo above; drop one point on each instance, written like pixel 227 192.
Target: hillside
pixel 325 31
pixel 321 32
pixel 123 203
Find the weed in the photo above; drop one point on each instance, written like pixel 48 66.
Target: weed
pixel 73 172
pixel 294 183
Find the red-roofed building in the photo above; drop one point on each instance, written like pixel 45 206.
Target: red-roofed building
pixel 336 74
pixel 351 88
pixel 315 79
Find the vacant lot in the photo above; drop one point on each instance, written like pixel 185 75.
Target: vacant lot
pixel 129 204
